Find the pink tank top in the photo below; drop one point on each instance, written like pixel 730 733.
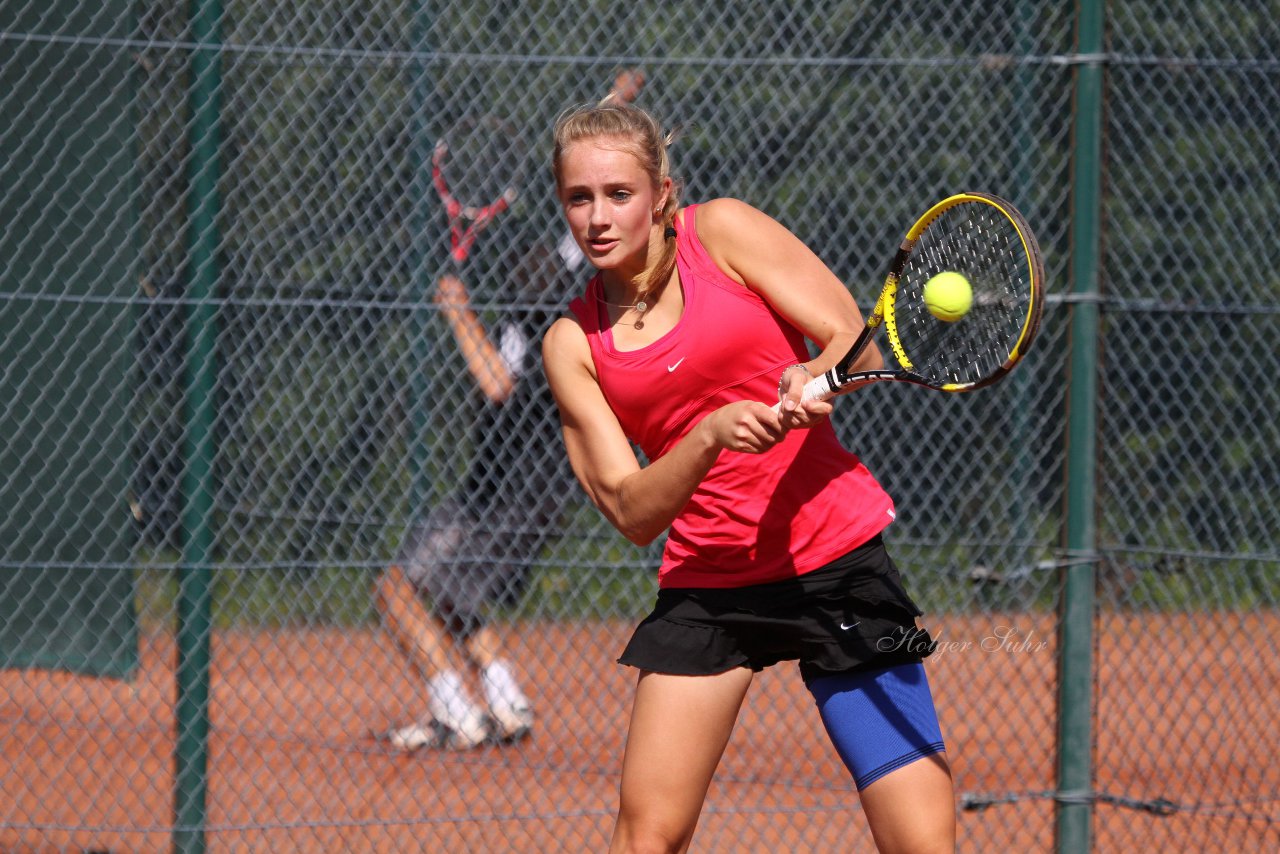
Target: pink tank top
pixel 755 517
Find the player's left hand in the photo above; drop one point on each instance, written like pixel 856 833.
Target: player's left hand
pixel 794 414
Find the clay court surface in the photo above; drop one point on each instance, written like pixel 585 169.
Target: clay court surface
pixel 1184 713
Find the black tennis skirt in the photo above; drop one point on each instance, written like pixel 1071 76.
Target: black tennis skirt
pixel 849 615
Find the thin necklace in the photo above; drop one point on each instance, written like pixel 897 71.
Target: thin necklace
pixel 640 307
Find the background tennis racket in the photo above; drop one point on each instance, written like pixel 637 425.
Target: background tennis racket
pixel 477 166
pixel 987 240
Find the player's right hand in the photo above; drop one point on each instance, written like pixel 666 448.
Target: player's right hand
pixel 747 426
pixel 451 292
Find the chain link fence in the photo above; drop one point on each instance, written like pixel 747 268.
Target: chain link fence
pixel 229 394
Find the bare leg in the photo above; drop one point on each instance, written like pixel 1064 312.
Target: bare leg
pixel 426 640
pixel 913 808
pixel 483 647
pixel 679 728
pixel 417 631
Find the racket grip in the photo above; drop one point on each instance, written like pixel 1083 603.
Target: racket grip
pixel 819 388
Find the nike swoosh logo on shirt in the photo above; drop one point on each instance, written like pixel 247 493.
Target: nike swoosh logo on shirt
pixel 850 626
pixel 671 368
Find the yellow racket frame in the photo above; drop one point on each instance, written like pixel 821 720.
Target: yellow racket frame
pixel 885 305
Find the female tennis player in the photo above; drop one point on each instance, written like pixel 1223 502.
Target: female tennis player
pixel 691 329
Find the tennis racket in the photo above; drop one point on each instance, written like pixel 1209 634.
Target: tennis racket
pixel 987 241
pixel 476 166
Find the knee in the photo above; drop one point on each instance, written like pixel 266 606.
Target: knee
pixel 637 836
pixel 379 593
pixel 384 590
pixel 936 844
pixel 646 843
pixel 395 599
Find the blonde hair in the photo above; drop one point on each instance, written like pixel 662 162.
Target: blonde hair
pixel 643 136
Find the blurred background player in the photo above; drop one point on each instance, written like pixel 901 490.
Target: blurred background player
pixel 472 551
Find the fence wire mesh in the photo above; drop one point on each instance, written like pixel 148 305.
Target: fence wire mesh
pixel 230 387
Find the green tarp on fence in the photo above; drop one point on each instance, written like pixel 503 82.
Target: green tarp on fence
pixel 67 273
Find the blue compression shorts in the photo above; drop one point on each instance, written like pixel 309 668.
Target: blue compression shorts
pixel 879 720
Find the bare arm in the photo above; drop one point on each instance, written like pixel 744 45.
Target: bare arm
pixel 763 255
pixel 640 502
pixel 482 358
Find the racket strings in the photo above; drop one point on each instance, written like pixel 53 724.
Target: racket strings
pixel 978 241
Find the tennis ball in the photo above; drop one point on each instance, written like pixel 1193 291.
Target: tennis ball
pixel 948 296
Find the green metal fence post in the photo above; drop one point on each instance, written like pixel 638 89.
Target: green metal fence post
pixel 1075 686
pixel 191 715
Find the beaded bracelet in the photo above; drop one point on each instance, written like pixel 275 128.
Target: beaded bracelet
pixel 783 376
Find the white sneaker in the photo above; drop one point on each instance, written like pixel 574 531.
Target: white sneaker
pixel 416 735
pixel 462 732
pixel 512 721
